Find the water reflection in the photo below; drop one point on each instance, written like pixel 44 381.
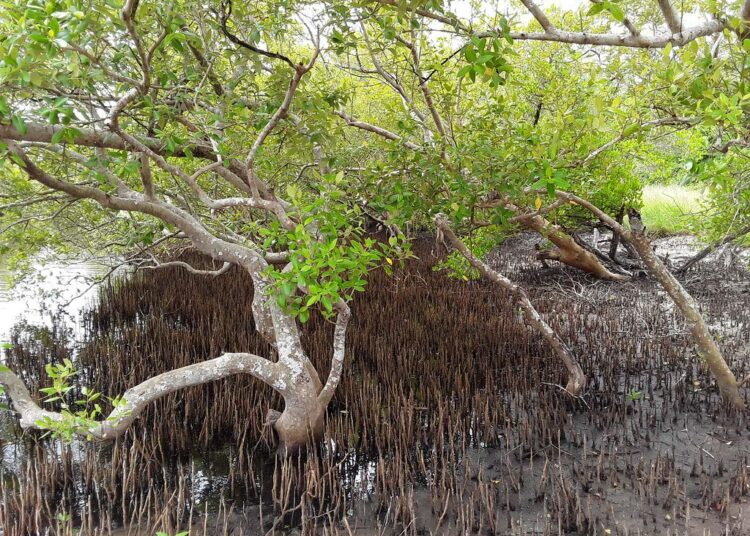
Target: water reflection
pixel 52 289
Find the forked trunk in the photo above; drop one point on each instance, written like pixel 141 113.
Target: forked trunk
pixel 301 423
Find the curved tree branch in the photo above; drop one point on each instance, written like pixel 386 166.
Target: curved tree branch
pixel 181 264
pixel 380 131
pixel 677 121
pixel 678 37
pixel 135 399
pixel 226 12
pixel 708 348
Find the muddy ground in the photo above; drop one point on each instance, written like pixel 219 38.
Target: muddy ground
pixel 450 419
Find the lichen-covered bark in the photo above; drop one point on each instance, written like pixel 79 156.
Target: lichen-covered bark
pixel 135 399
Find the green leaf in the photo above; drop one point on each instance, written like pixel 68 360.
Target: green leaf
pixel 616 11
pixel 19 124
pixel 630 130
pixel 595 9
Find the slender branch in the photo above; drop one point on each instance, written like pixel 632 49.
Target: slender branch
pixel 29 219
pixel 615 40
pixel 380 131
pixel 135 399
pixel 684 121
pixel 180 264
pixel 724 147
pixel 339 351
pixel 146 178
pixel 541 212
pixel 625 22
pixel 673 21
pixel 72 47
pixel 390 79
pixel 43 198
pixel 226 12
pixel 280 113
pixel 576 378
pixel 426 93
pixel 710 248
pixel 538 15
pixel 451 20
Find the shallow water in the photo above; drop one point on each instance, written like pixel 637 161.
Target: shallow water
pixel 52 289
pixel 646 451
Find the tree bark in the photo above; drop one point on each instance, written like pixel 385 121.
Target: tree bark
pixel 614 244
pixel 708 349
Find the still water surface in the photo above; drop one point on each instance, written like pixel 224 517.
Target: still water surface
pixel 52 289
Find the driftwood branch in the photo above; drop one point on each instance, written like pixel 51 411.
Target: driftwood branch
pixel 705 252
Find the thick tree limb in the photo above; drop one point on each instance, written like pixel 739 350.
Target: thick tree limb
pixel 553 34
pixel 36 132
pixel 135 399
pixel 673 21
pixel 576 378
pixel 566 250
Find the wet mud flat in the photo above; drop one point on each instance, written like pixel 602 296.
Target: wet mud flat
pixel 449 419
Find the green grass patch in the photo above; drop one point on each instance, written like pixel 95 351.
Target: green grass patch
pixel 670 209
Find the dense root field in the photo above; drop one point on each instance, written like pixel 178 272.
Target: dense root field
pixel 449 419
